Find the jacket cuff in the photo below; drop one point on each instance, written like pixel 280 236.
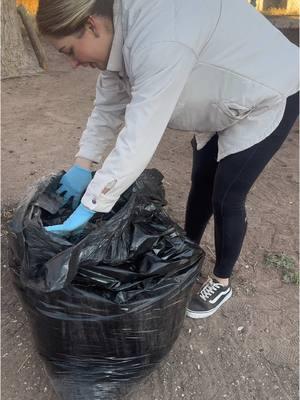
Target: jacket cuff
pixel 89 155
pixel 102 203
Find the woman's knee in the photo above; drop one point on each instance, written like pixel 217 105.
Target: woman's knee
pixel 229 205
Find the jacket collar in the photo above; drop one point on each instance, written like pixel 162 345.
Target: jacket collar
pixel 115 61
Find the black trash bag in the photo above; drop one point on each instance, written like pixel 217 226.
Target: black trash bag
pixel 107 304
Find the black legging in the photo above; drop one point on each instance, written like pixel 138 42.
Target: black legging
pixel 221 188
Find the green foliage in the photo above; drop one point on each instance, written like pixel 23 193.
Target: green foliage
pixel 285 264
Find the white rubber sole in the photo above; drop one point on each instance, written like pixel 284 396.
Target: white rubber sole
pixel 205 314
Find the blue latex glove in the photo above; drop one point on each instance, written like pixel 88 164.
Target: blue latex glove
pixel 75 222
pixel 73 184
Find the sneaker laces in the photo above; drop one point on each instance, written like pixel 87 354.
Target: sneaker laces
pixel 209 288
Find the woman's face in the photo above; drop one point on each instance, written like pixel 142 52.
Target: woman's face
pixel 90 48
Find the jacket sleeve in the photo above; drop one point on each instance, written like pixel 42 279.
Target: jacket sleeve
pixel 106 118
pixel 158 75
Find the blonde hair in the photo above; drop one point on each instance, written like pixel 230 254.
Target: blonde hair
pixel 65 17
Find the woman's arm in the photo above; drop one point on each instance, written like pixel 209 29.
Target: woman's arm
pixel 159 74
pixel 105 120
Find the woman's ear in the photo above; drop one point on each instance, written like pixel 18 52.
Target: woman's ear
pixel 91 25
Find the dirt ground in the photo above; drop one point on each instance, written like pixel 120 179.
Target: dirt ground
pixel 248 350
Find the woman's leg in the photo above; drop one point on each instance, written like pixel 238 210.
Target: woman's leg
pixel 234 177
pixel 199 204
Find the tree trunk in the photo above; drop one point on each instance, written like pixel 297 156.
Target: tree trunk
pixel 33 36
pixel 15 58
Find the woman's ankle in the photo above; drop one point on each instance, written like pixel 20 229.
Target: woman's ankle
pixel 222 281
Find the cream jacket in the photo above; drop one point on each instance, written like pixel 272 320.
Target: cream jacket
pixel 195 65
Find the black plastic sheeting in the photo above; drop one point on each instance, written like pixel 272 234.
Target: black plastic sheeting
pixel 106 305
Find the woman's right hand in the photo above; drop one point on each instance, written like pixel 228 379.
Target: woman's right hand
pixel 74 183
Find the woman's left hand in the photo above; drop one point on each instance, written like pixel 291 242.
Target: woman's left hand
pixel 78 219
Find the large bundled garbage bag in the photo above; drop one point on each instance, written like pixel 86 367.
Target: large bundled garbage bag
pixel 106 304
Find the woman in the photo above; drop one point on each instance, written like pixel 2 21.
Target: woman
pixel 215 67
